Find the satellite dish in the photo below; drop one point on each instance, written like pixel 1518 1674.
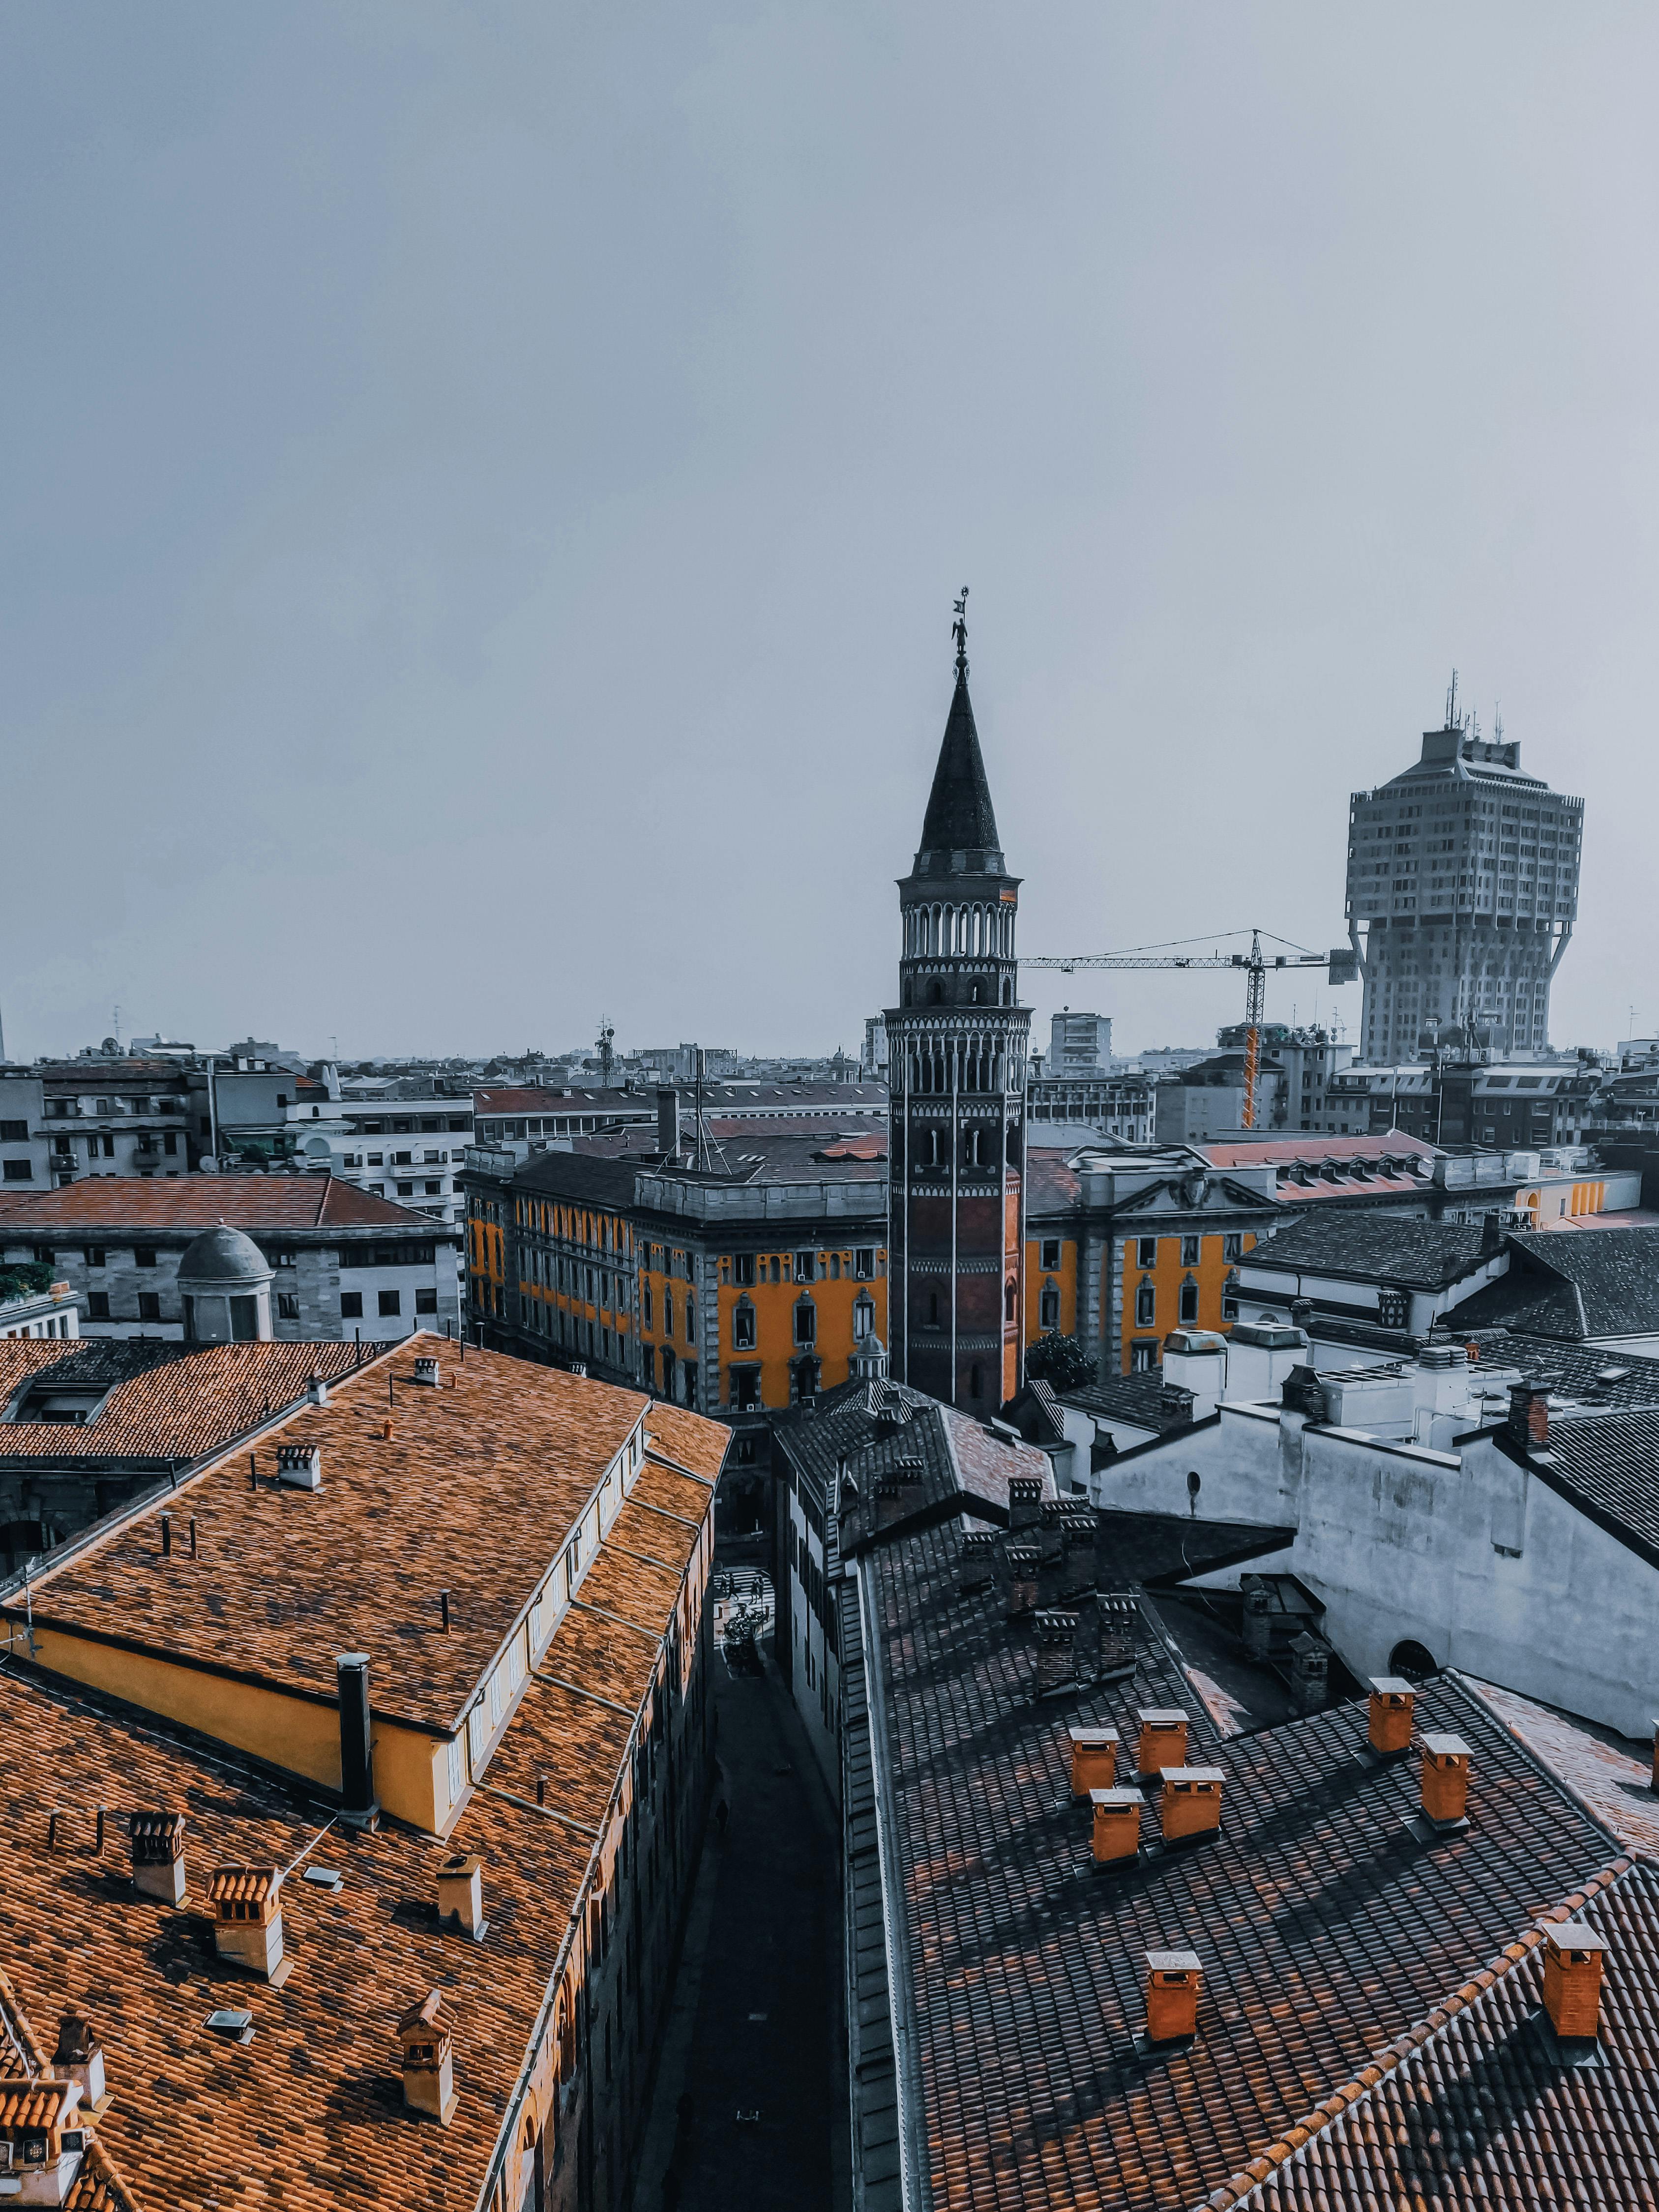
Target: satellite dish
pixel 209 1166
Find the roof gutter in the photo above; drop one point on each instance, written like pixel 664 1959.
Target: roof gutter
pixel 915 2189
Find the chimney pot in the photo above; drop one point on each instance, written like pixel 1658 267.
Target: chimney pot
pixel 1189 1803
pixel 1163 1738
pixel 157 1842
pixel 1094 1759
pixel 1174 1980
pixel 359 1808
pixel 1529 1414
pixel 1390 1714
pixel 428 2062
pixel 316 1389
pixel 248 1919
pixel 1445 1779
pixel 1573 1978
pixel 460 1894
pixel 426 1370
pixel 80 2057
pixel 300 1466
pixel 976 1568
pixel 1021 1561
pixel 1024 1501
pixel 167 1535
pixel 1116 1831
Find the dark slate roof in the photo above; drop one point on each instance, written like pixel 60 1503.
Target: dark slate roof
pixel 1475 2103
pixel 1374 1248
pixel 1138 1398
pixel 1326 1928
pixel 1615 1273
pixel 580 1177
pixel 1607 1464
pixel 960 816
pixel 877 1426
pixel 1587 1373
pixel 1525 1300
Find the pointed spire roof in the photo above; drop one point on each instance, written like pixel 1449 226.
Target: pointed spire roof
pixel 960 817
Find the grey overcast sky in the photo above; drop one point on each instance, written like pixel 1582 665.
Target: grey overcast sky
pixel 483 489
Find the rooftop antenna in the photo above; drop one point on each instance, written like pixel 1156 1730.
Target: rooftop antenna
pixel 1451 703
pixel 1498 722
pixel 606 1056
pixel 959 631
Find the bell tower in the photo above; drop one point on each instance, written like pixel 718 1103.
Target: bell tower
pixel 956 1047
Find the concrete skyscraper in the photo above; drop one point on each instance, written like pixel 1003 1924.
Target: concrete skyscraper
pixel 1463 875
pixel 956 1055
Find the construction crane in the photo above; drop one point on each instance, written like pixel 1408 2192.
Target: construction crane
pixel 1341 963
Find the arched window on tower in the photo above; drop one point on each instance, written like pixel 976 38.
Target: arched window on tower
pixel 935 993
pixel 1007 991
pixel 1008 1297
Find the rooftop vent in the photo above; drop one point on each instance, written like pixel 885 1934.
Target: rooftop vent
pixel 1174 1980
pixel 299 1466
pixel 1572 1979
pixel 1116 1836
pixel 1094 1759
pixel 428 2079
pixel 1163 1738
pixel 80 2057
pixel 158 1855
pixel 460 1894
pixel 1445 1782
pixel 426 1370
pixel 1189 1803
pixel 1390 1714
pixel 359 1808
pixel 248 1919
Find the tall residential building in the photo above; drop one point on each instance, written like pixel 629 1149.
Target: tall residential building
pixel 956 1073
pixel 1079 1044
pixel 1463 874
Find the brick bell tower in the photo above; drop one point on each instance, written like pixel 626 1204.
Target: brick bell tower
pixel 956 1046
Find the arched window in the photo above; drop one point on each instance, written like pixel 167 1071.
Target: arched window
pixel 979 991
pixel 932 1309
pixel 1008 1296
pixel 1048 1305
pixel 935 993
pixel 1146 1305
pixel 1187 1310
pixel 1412 1660
pixel 691 1319
pixel 667 1311
pixel 973 1383
pixel 1007 991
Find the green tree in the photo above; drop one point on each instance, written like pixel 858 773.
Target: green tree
pixel 1060 1362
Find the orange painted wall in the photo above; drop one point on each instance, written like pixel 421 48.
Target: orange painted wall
pixel 1166 1276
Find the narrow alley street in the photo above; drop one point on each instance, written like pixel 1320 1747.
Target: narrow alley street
pixel 751 2070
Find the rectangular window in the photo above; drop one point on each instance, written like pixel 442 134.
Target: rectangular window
pixel 97 1306
pixel 391 1302
pixel 1146 1306
pixel 743 1327
pixel 1147 1251
pixel 1232 1245
pixel 287 1305
pixel 149 1306
pixel 14 1133
pixel 1143 1357
pixel 515 1662
pixel 497 1696
pixel 806 1323
pixel 457 1770
pixel 19 1171
pixel 864 1263
pixel 1189 1251
pixel 1050 1252
pixel 1188 1301
pixel 806 1269
pixel 351 1305
pixel 144 1256
pixel 426 1301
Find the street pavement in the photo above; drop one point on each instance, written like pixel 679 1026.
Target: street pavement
pixel 749 2081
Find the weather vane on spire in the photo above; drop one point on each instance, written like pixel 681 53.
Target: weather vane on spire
pixel 959 631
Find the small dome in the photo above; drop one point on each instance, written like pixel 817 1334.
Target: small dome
pixel 222 1256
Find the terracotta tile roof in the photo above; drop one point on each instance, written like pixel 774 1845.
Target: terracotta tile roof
pixel 688 1439
pixel 531 1101
pixel 1325 1926
pixel 1617 1788
pixel 473 1491
pixel 1476 2103
pixel 308 2116
pixel 41 2102
pixel 1313 1150
pixel 669 1491
pixel 123 1204
pixel 165 1402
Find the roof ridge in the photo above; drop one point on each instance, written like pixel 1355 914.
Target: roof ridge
pixel 1241 2186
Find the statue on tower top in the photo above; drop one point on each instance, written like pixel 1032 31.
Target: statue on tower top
pixel 959 632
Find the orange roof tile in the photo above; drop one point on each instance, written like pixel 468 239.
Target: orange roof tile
pixel 474 1491
pixel 688 1439
pixel 179 1405
pixel 190 1202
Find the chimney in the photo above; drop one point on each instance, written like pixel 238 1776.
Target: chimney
pixel 1174 1979
pixel 358 1806
pixel 1115 1837
pixel 1024 1501
pixel 426 1371
pixel 1189 1803
pixel 248 1919
pixel 299 1466
pixel 1530 1415
pixel 1163 1738
pixel 460 1894
pixel 668 1120
pixel 428 2078
pixel 1056 1659
pixel 977 1569
pixel 1572 1979
pixel 1022 1562
pixel 80 2057
pixel 316 1389
pixel 1492 1236
pixel 1106 1575
pixel 1310 1660
pixel 46 2142
pixel 158 1855
pixel 1390 1715
pixel 1301 1313
pixel 1094 1759
pixel 1445 1780
pixel 1077 1537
